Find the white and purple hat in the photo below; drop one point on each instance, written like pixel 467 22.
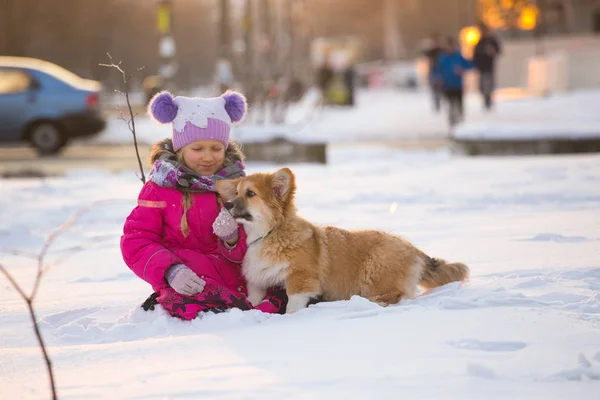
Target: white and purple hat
pixel 195 118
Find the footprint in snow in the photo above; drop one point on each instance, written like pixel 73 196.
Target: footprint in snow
pixel 557 238
pixel 65 317
pixel 120 277
pixel 474 344
pixel 480 371
pixel 531 283
pixel 584 371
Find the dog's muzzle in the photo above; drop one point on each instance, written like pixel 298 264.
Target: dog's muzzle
pixel 231 206
pixel 245 216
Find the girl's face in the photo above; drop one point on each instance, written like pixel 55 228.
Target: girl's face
pixel 205 157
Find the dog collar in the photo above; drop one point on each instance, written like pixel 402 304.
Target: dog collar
pixel 260 238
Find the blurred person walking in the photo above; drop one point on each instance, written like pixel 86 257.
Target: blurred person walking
pixel 324 77
pixel 484 57
pixel 435 80
pixel 451 67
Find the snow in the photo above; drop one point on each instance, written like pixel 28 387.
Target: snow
pixel 382 114
pixel 527 325
pixel 395 115
pixel 573 115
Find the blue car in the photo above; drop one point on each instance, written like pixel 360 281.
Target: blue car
pixel 46 105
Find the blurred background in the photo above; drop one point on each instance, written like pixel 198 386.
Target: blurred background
pixel 274 37
pixel 282 52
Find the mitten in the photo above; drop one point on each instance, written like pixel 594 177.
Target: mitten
pixel 225 226
pixel 184 281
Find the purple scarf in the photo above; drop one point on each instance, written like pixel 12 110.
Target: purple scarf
pixel 170 174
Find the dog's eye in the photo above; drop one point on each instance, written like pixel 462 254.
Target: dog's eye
pixel 250 193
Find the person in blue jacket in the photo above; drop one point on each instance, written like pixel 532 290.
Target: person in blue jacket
pixel 451 67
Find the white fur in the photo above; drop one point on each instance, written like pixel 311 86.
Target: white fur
pixel 298 301
pixel 254 230
pixel 414 277
pixel 261 273
pixel 256 294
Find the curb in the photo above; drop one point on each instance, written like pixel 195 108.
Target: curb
pixel 525 147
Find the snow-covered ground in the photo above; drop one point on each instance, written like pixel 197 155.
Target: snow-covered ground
pixel 395 115
pixel 527 325
pixel 565 116
pixel 379 115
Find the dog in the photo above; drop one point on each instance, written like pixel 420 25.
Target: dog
pixel 322 262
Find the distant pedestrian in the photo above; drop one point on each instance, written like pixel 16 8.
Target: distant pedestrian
pixel 451 67
pixel 484 57
pixel 349 80
pixel 324 76
pixel 435 80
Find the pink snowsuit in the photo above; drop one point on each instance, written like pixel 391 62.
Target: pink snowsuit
pixel 152 241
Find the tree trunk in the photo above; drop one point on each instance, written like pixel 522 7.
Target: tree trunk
pixel 569 13
pixel 225 31
pixel 14 22
pixel 249 70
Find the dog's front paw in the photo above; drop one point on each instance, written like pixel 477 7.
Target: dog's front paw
pixel 255 300
pixel 292 309
pixel 255 295
pixel 297 302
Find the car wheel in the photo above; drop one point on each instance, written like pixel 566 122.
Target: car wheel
pixel 47 138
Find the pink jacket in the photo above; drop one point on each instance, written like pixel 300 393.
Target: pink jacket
pixel 152 240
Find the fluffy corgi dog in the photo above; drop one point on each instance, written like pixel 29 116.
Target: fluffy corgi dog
pixel 331 263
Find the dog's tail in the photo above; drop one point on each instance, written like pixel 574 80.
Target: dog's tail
pixel 437 272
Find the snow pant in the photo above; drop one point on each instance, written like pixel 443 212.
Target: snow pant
pixel 455 105
pixel 486 87
pixel 436 92
pixel 215 298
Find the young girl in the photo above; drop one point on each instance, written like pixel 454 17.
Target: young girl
pixel 179 239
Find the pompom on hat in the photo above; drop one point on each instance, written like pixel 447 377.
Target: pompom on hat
pixel 196 118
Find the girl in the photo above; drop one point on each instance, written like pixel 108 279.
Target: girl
pixel 179 239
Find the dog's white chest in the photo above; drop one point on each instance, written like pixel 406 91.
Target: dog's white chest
pixel 262 271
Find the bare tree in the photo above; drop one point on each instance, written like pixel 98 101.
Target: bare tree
pixel 224 30
pixel 248 25
pixel 196 34
pixel 29 299
pixel 42 268
pixel 131 121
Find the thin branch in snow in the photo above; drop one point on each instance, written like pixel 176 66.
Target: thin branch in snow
pixel 42 268
pixel 131 120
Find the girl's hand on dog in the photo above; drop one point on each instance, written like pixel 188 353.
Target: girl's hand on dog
pixel 225 227
pixel 184 281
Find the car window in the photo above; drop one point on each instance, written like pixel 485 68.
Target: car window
pixel 13 81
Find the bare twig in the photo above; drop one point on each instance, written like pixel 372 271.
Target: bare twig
pixel 40 339
pixel 13 282
pixel 41 269
pixel 55 234
pixel 131 120
pixel 29 302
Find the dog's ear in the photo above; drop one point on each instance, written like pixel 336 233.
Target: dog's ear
pixel 227 189
pixel 284 183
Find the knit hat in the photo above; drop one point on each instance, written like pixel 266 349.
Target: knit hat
pixel 195 118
